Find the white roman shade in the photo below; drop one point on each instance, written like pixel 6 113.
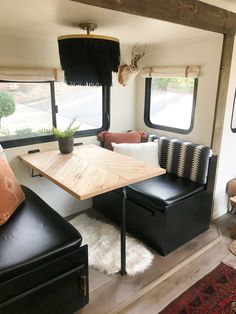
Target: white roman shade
pixel 59 75
pixel 172 71
pixel 31 74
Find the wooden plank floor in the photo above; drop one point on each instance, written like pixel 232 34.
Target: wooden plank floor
pixel 165 280
pixel 159 297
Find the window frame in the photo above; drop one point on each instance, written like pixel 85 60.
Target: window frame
pixel 233 113
pixel 106 96
pixel 147 107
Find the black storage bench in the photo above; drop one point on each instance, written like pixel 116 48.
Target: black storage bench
pixel 170 210
pixel 43 267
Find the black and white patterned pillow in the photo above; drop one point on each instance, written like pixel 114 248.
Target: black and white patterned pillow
pixel 184 159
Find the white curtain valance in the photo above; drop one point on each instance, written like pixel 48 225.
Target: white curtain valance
pixel 31 74
pixel 172 71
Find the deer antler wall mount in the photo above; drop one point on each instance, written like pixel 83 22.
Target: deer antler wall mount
pixel 127 73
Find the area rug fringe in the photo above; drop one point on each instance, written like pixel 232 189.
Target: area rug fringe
pixel 104 247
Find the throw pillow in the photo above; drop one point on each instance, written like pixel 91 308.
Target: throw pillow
pixel 146 152
pixel 128 137
pixel 10 190
pixel 2 154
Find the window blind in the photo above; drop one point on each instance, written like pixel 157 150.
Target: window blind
pixel 172 71
pixel 31 74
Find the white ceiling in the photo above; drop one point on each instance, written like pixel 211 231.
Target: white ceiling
pixel 225 4
pixel 51 18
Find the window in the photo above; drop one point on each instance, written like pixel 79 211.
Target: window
pixel 83 102
pixel 30 108
pixel 170 103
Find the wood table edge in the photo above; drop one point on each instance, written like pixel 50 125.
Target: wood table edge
pixel 87 196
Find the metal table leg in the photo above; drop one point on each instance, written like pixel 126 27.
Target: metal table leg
pixel 122 233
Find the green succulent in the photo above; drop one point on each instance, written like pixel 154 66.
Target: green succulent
pixel 67 133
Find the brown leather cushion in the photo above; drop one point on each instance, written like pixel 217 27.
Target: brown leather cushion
pixel 10 190
pixel 128 137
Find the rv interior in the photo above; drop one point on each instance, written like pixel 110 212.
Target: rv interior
pixel 115 198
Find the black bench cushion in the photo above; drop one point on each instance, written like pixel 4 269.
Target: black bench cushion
pixel 161 191
pixel 34 235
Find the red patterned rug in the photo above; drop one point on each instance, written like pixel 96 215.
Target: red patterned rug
pixel 214 293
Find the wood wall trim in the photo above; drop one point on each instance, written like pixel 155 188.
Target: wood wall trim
pixel 221 98
pixel 191 13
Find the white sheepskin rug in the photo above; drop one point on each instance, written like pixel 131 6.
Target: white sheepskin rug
pixel 104 247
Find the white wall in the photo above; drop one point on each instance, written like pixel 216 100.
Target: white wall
pixel 227 168
pixel 227 165
pixel 31 52
pixel 225 4
pixel 127 105
pixel 36 52
pixel 205 52
pixel 123 116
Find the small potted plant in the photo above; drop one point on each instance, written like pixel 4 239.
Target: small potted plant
pixel 66 137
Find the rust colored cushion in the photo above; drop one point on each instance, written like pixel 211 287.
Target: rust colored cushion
pixel 128 137
pixel 11 194
pixel 2 154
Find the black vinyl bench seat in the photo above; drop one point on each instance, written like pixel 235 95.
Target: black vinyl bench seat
pixel 169 210
pixel 41 261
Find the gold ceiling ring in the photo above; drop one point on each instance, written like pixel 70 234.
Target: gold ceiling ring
pixel 71 36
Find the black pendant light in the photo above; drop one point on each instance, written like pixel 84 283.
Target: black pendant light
pixel 89 59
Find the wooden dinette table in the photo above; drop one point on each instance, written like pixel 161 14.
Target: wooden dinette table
pixel 91 170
